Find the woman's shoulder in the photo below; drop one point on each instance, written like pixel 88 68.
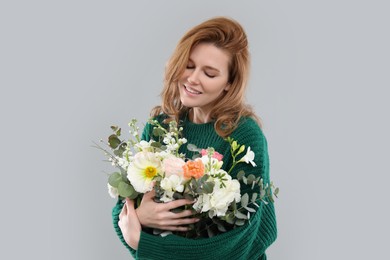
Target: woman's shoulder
pixel 249 132
pixel 248 126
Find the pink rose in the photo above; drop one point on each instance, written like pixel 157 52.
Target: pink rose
pixel 173 166
pixel 215 155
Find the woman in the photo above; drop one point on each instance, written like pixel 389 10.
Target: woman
pixel 205 82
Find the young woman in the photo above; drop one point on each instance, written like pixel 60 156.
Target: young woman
pixel 205 82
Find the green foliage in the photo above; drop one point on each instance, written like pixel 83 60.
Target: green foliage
pixel 114 141
pixel 126 190
pixel 114 179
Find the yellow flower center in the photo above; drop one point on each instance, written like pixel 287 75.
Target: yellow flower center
pixel 150 171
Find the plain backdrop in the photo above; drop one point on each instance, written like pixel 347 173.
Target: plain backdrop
pixel 320 82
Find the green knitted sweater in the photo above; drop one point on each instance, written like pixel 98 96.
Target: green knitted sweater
pixel 247 242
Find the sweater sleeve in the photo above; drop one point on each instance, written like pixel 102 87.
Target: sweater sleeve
pixel 245 242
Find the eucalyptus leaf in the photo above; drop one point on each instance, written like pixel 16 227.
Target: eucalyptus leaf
pixel 276 192
pixel 230 218
pixel 210 232
pixel 195 156
pixel 240 174
pixel 251 178
pixel 254 197
pixel 240 222
pixel 244 200
pixel 193 148
pixel 244 180
pixel 234 205
pixel 114 179
pixel 262 194
pixel 113 141
pixel 205 178
pixel 119 152
pixel 189 196
pixel 158 132
pixel 156 144
pixel 240 215
pixel 126 190
pixel 250 209
pixel 177 196
pixel 208 187
pixel 221 228
pixel 211 213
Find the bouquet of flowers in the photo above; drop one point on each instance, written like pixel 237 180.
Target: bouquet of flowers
pixel 158 165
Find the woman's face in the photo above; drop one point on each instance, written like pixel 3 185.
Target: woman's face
pixel 205 77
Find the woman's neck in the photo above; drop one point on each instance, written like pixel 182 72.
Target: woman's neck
pixel 199 116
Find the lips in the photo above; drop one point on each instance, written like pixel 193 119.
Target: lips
pixel 192 91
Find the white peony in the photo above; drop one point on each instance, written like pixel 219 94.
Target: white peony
pixel 219 200
pixel 170 185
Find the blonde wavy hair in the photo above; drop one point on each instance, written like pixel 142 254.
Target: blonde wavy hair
pixel 228 35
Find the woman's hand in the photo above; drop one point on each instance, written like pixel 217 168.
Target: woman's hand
pixel 158 215
pixel 129 224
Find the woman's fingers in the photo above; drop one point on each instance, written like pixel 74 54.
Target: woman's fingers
pixel 123 211
pixel 178 203
pixel 149 195
pixel 183 214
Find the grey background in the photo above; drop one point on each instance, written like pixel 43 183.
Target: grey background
pixel 320 79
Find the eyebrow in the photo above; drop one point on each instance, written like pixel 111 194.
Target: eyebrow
pixel 206 67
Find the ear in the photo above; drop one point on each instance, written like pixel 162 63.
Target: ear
pixel 227 87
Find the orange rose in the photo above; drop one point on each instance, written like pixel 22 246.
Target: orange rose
pixel 193 169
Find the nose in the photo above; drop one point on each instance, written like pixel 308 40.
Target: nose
pixel 193 77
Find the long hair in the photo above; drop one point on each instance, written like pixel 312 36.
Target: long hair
pixel 228 35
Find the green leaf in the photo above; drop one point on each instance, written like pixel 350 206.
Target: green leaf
pixel 221 228
pixel 240 215
pixel 211 213
pixel 276 192
pixel 158 132
pixel 119 152
pixel 251 178
pixel 193 148
pixel 113 141
pixel 244 200
pixel 208 187
pixel 114 128
pixel 114 179
pixel 230 218
pixel 250 209
pixel 177 196
pixel 188 196
pixel 126 190
pixel 204 178
pixel 240 174
pixel 156 144
pixel 210 232
pixel 254 197
pixel 234 205
pixel 118 132
pixel 244 180
pixel 240 222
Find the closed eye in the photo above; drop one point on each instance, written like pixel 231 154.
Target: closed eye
pixel 209 75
